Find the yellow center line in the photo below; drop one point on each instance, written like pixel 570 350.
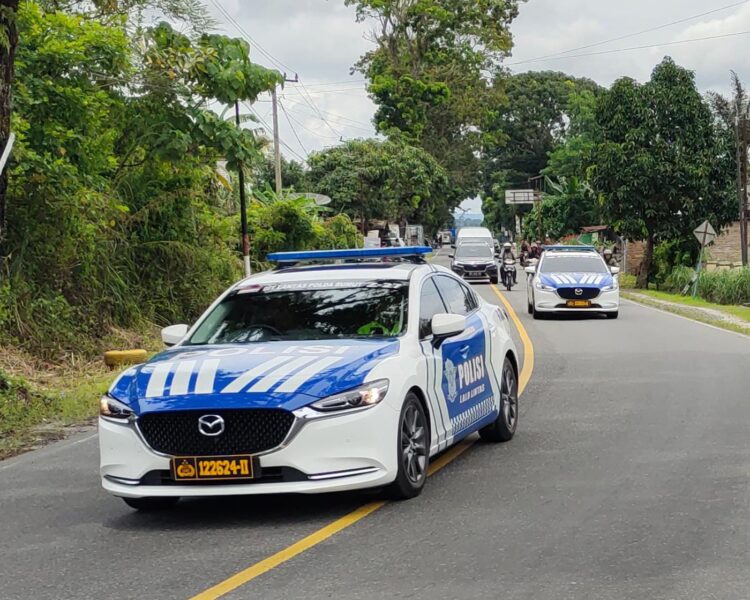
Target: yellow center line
pixel 528 346
pixel 315 538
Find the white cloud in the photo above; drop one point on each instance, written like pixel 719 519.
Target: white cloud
pixel 320 40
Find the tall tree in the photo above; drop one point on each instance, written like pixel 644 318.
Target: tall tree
pixel 658 166
pixel 374 180
pixel 430 75
pixel 8 45
pixel 536 118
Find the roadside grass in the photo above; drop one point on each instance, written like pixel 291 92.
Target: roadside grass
pixel 732 318
pixel 44 401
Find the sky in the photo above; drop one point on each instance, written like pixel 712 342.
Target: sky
pixel 320 41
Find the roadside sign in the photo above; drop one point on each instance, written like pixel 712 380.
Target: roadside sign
pixel 520 196
pixel 705 233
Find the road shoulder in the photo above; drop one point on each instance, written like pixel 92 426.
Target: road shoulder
pixel 704 314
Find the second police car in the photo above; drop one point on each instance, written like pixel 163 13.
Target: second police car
pixel 572 279
pixel 313 378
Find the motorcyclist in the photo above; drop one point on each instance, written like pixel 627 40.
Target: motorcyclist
pixel 507 254
pixel 609 257
pixel 535 251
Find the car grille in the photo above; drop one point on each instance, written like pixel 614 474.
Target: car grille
pixel 246 431
pixel 475 267
pixel 569 293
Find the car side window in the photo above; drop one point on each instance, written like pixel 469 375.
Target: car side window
pixel 454 296
pixel 471 298
pixel 430 304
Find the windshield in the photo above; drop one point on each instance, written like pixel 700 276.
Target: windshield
pixel 366 310
pixel 474 251
pixel 573 264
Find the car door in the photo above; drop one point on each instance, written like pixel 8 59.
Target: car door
pixel 466 385
pixel 430 304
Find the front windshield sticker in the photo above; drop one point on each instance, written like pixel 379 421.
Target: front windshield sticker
pixel 329 285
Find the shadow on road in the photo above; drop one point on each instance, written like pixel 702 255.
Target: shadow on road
pixel 241 511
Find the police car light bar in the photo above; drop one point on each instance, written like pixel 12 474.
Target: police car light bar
pixel 565 248
pixel 352 254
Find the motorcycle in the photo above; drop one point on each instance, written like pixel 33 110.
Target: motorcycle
pixel 509 272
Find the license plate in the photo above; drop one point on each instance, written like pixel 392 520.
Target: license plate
pixel 578 303
pixel 202 468
pixel 475 274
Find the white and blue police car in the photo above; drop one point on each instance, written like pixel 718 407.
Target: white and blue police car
pixel 337 370
pixel 571 279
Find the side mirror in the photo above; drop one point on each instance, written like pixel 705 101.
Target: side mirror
pixel 530 270
pixel 446 325
pixel 614 270
pixel 173 334
pixel 451 255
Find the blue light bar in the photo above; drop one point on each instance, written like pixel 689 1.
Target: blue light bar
pixel 565 248
pixel 352 253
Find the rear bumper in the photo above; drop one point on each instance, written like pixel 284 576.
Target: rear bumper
pixel 550 302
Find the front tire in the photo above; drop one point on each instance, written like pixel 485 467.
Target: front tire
pixel 613 315
pixel 504 427
pixel 151 504
pixel 493 279
pixel 413 451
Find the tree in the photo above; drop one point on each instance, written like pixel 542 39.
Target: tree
pixel 8 46
pixel 389 180
pixel 430 76
pixel 538 116
pixel 658 166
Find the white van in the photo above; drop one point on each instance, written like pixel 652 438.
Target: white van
pixel 475 234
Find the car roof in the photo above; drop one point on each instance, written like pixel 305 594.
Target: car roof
pixel 360 271
pixel 570 254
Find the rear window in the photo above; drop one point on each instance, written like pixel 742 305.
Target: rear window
pixel 573 264
pixel 305 312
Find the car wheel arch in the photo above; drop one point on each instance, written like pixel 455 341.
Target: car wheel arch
pixel 513 361
pixel 419 393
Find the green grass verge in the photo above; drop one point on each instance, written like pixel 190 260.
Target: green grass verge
pixel 31 416
pixel 693 308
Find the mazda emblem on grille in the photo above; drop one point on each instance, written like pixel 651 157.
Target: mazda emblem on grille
pixel 211 425
pixel 579 291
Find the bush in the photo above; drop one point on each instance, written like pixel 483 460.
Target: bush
pixel 719 287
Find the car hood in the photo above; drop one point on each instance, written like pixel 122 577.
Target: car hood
pixel 285 375
pixel 558 280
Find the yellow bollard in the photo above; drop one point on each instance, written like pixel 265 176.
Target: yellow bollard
pixel 118 358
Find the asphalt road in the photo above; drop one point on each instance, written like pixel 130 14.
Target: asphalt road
pixel 628 478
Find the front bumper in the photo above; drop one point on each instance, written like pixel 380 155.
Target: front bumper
pixel 545 301
pixel 334 453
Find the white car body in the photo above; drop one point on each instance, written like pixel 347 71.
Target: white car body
pixel 559 291
pixel 458 383
pixel 474 234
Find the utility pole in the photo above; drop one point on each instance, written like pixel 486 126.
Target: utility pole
pixel 276 140
pixel 276 149
pixel 742 142
pixel 243 206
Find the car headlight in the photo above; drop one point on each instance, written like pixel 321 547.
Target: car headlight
pixel 543 286
pixel 364 396
pixel 611 288
pixel 114 409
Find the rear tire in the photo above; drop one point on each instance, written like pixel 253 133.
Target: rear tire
pixel 529 306
pixel 504 427
pixel 613 315
pixel 412 448
pixel 151 504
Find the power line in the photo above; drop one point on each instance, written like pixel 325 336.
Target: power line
pixel 615 51
pixel 269 128
pixel 629 35
pixel 288 120
pixel 340 119
pixel 315 133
